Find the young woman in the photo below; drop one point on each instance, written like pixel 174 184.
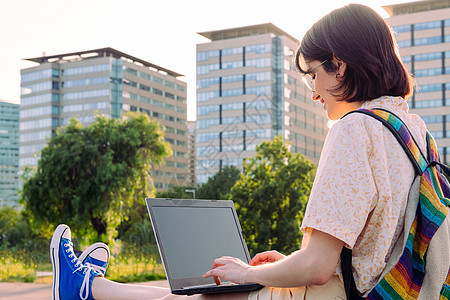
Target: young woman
pixel 349 60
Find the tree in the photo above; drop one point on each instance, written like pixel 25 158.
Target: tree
pixel 176 192
pixel 87 177
pixel 218 186
pixel 136 234
pixel 271 197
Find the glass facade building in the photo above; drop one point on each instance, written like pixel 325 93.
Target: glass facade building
pixel 248 91
pixel 105 82
pixel 9 153
pixel 422 31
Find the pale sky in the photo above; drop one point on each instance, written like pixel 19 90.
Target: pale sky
pixel 163 32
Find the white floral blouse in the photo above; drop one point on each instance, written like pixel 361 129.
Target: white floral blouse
pixel 361 188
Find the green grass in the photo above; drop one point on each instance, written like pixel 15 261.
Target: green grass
pixel 132 269
pixel 44 267
pixel 15 267
pixel 18 267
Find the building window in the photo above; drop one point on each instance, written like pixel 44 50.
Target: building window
pixel 404 43
pixel 427 25
pixel 131 71
pixel 33 76
pixel 84 82
pixel 427 41
pixel 401 28
pixel 48 122
pixel 83 70
pixel 37 87
pixel 428 72
pixel 232 51
pixel 85 94
pixel 169 95
pixel 85 107
pixel 39 111
pixel 428 56
pixel 35 136
pixel 428 103
pixel 205 69
pixel 232 64
pixel 432 119
pixel 258 49
pixel 429 88
pixel 206 55
pixel 130 83
pixel 144 87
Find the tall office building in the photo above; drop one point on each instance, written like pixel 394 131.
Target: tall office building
pixel 422 30
pixel 9 153
pixel 107 82
pixel 248 91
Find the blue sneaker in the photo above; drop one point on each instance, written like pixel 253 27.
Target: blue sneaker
pixel 71 279
pixel 97 256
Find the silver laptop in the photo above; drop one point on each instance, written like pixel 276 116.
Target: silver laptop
pixel 190 235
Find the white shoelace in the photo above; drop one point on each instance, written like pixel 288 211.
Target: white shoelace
pixel 96 268
pixel 85 285
pixel 87 271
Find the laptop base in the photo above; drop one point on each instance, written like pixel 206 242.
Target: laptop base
pixel 231 288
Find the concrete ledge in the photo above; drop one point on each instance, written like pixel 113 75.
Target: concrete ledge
pixel 42 291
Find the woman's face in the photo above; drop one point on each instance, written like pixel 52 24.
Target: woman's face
pixel 324 85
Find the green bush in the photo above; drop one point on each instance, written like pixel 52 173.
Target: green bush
pixel 16 266
pixel 127 268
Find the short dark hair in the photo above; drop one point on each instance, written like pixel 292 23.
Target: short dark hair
pixel 361 38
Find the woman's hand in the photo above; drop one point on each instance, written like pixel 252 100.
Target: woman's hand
pixel 266 257
pixel 234 270
pixel 313 265
pixel 228 268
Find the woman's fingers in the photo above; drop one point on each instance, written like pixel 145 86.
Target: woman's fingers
pixel 259 259
pixel 215 274
pixel 227 268
pixel 266 257
pixel 214 271
pixel 216 278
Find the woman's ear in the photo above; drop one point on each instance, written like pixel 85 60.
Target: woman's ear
pixel 341 67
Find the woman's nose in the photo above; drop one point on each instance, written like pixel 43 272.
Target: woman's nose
pixel 315 96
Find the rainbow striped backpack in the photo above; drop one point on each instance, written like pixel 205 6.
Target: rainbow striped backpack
pixel 418 267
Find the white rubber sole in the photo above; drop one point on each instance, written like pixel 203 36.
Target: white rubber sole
pixel 54 256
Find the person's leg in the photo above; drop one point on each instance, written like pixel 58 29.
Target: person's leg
pixel 104 289
pixel 74 280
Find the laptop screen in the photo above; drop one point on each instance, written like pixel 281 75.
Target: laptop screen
pixel 192 237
